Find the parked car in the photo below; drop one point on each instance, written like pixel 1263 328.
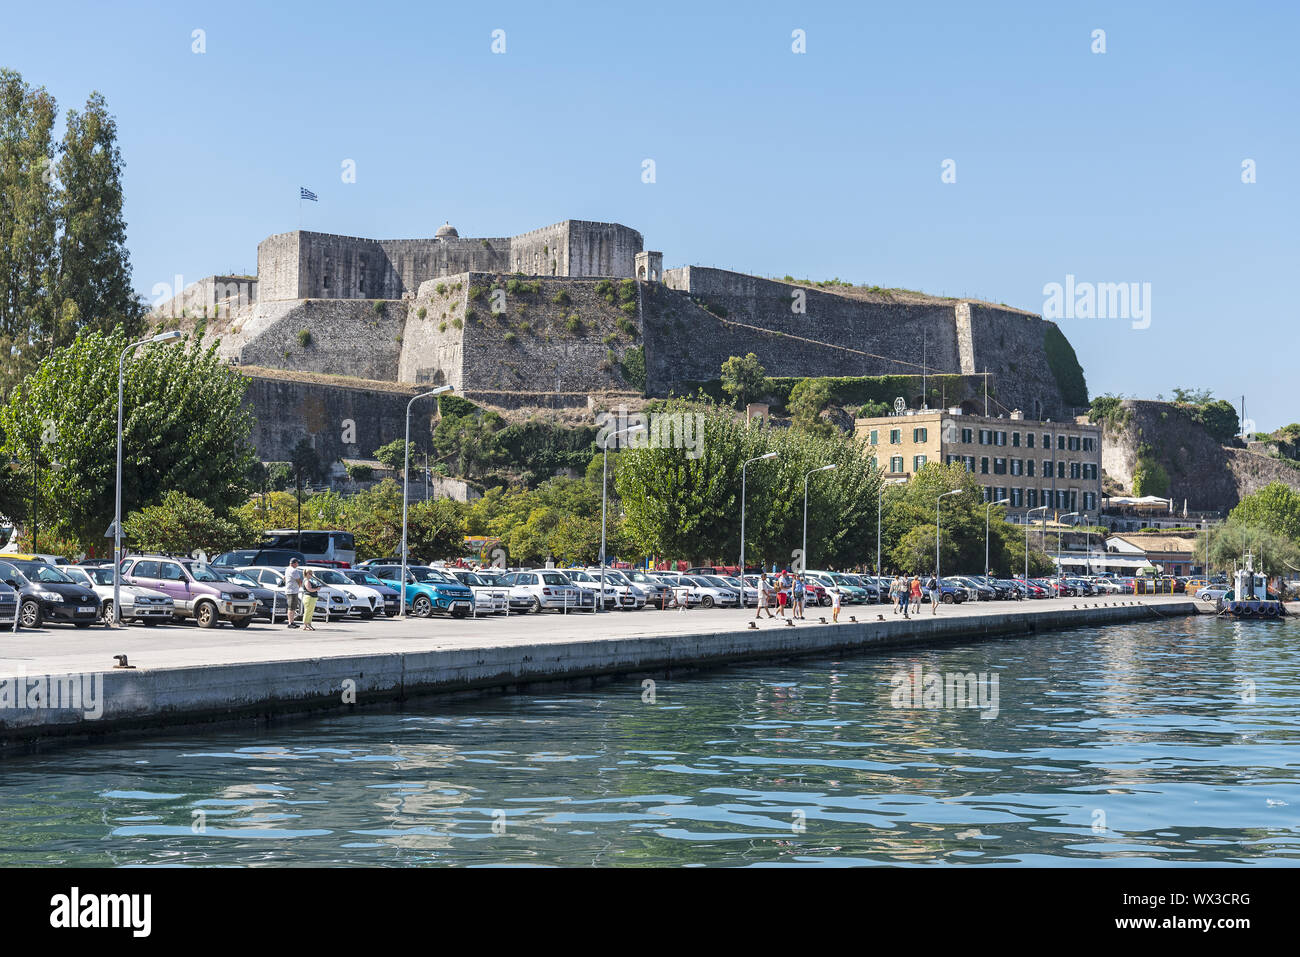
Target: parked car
pixel 145 605
pixel 657 593
pixel 976 590
pixel 630 595
pixel 1212 592
pixel 362 600
pixel 587 581
pixel 428 590
pixel 197 590
pixel 950 592
pixel 49 595
pixel 270 557
pixel 488 599
pixel 330 602
pixel 8 605
pixel 680 592
pixel 750 590
pixel 549 588
pixel 712 591
pixel 388 595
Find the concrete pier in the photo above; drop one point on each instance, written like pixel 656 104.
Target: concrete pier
pixel 63 683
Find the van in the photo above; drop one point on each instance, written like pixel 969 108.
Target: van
pixel 318 545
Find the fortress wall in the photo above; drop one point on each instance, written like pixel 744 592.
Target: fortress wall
pixel 277 266
pixel 345 267
pixel 541 252
pixel 347 338
pixel 545 356
pixel 446 257
pixel 889 331
pixel 287 410
pixel 432 356
pixel 603 249
pixel 1009 344
pixel 200 299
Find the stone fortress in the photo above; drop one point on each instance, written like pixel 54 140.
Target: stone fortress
pixel 566 317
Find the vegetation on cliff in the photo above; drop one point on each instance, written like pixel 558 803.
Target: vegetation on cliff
pixel 1065 366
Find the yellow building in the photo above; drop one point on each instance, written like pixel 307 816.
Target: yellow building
pixel 1056 464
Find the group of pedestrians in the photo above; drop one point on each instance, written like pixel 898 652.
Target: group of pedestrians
pixel 788 590
pixel 300 587
pixel 905 593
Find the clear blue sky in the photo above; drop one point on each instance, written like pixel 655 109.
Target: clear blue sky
pixel 1123 166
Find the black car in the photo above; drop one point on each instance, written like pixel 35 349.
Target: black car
pixel 270 557
pixel 49 595
pixel 269 605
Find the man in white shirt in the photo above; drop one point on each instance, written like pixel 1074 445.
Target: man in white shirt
pixel 293 589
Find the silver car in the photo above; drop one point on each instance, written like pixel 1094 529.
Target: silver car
pixel 145 605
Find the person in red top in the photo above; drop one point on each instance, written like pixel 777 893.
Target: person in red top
pixel 916 593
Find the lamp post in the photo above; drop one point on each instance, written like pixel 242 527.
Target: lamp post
pixel 1029 521
pixel 745 465
pixel 987 509
pixel 880 504
pixel 170 336
pixel 937 594
pixel 824 468
pixel 406 474
pixel 604 483
pixel 1059 570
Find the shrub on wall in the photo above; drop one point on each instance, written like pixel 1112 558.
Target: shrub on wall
pixel 381 307
pixel 561 298
pixel 442 327
pixel 629 308
pixel 627 290
pixel 1065 366
pixel 476 293
pixel 573 324
pixel 633 367
pixel 422 312
pixel 360 472
pixel 441 289
pixel 304 338
pixel 510 337
pixel 627 327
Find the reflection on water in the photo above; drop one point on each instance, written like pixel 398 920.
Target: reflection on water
pixel 1164 742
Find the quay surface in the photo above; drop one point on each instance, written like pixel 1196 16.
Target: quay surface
pixel 186 675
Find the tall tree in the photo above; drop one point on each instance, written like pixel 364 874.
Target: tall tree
pixel 93 289
pixel 27 223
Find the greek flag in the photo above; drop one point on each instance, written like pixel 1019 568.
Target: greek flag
pixel 305 193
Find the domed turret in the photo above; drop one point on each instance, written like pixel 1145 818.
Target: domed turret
pixel 447 231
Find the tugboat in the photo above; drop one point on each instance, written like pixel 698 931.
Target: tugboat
pixel 1250 598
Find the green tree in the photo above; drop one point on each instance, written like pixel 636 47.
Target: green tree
pixel 181 524
pixel 93 285
pixel 744 378
pixel 307 466
pixel 1276 507
pixel 1274 553
pixel 185 429
pixel 435 529
pixel 27 224
pixel 1149 476
pixel 807 400
pixel 393 454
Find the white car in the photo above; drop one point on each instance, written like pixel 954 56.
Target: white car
pixel 709 592
pixel 330 602
pixel 145 605
pixel 630 596
pixel 1212 592
pixel 586 582
pixel 549 588
pixel 686 591
pixel 362 599
pixel 1105 586
pixel 488 599
pixel 750 588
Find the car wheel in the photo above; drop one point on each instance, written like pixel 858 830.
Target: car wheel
pixel 30 616
pixel 242 622
pixel 421 607
pixel 205 613
pixel 537 605
pixel 106 612
pixel 707 601
pixel 824 601
pixel 948 599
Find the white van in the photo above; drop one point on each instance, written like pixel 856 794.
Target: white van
pixel 318 545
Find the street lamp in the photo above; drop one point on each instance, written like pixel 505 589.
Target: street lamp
pixel 987 509
pixel 604 468
pixel 880 503
pixel 1028 522
pixel 169 336
pixel 1059 518
pixel 824 468
pixel 937 594
pixel 745 465
pixel 406 474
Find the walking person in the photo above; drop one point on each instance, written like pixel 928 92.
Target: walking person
pixel 896 593
pixel 764 596
pixel 782 594
pixel 916 593
pixel 935 596
pixel 311 590
pixel 904 594
pixel 293 590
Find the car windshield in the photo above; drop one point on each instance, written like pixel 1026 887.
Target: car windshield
pixel 842 580
pixel 100 576
pixel 469 578
pixel 717 582
pixel 239 578
pixel 205 573
pixel 555 578
pixel 577 576
pixel 432 575
pixel 330 577
pixel 37 572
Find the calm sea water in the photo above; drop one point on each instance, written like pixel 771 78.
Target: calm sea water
pixel 1166 742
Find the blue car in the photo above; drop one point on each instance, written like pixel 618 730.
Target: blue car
pixel 428 590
